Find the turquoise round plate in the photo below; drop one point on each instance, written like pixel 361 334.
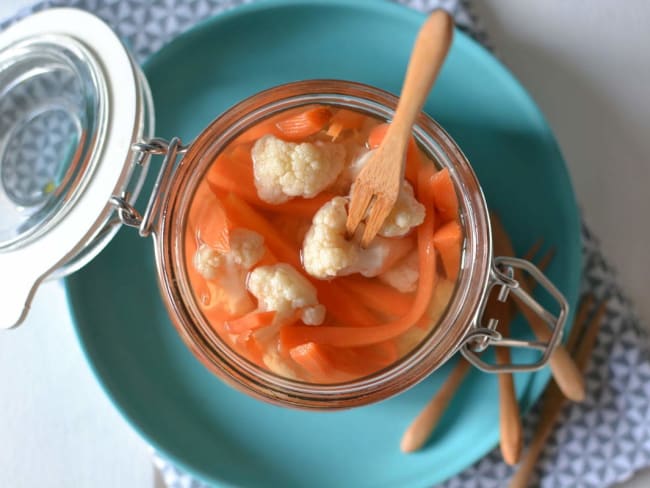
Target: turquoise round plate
pixel 227 438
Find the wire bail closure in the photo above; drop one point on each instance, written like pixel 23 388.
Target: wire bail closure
pixel 481 337
pixel 126 212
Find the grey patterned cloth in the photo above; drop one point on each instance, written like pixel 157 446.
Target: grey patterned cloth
pixel 598 443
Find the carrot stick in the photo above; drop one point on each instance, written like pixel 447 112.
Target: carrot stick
pixel 341 305
pixel 362 336
pixel 269 126
pixel 362 361
pixel 377 135
pixel 236 177
pixel 240 211
pixel 251 321
pixel 315 360
pixel 344 119
pixel 334 130
pixel 259 130
pixel 249 348
pixel 444 196
pixel 376 296
pixel 305 124
pixel 329 364
pixel 349 119
pixel 219 306
pixel 300 207
pixel 212 224
pixel 447 240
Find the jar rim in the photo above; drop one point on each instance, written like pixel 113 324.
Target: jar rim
pixel 446 337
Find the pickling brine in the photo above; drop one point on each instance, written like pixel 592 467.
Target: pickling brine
pixel 277 277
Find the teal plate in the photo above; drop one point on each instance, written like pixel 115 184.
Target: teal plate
pixel 225 437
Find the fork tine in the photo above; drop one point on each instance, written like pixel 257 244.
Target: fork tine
pixel 579 322
pixel 534 249
pixel 360 198
pixel 546 259
pixel 542 264
pixel 380 209
pixel 585 347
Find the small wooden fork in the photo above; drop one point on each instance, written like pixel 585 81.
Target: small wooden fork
pixel 375 190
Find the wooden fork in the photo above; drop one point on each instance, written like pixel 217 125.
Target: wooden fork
pixel 417 433
pixel 564 369
pixel 582 339
pixel 378 184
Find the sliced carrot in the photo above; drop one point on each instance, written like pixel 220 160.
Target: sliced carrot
pixel 377 296
pixel 250 321
pixel 377 135
pixel 249 348
pixel 294 228
pixel 329 364
pixel 259 130
pixel 362 361
pixel 304 124
pixel 447 240
pixel 212 224
pixel 413 160
pixel 349 119
pixel 267 259
pixel 268 126
pixel 220 306
pixel 344 119
pixel 334 130
pixel 233 175
pixel 315 360
pixel 236 176
pixel 300 207
pixel 444 196
pixel 240 211
pixel 341 305
pixel 362 336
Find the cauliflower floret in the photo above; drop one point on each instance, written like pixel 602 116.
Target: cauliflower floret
pixel 246 249
pixel 286 169
pixel 207 261
pixel 440 299
pixel 327 253
pixel 404 275
pixel 278 365
pixel 281 288
pixel 406 214
pixel 351 171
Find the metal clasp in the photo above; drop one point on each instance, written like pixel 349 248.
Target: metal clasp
pixel 126 212
pixel 504 270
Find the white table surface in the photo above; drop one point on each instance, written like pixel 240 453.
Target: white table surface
pixel 587 64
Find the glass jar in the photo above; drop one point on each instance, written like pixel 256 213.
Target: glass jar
pixel 461 328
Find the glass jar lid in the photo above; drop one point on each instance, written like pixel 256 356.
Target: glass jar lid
pixel 72 103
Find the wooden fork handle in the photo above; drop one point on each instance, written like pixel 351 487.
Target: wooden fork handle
pixel 511 431
pixel 429 52
pixel 527 466
pixel 418 432
pixel 565 372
